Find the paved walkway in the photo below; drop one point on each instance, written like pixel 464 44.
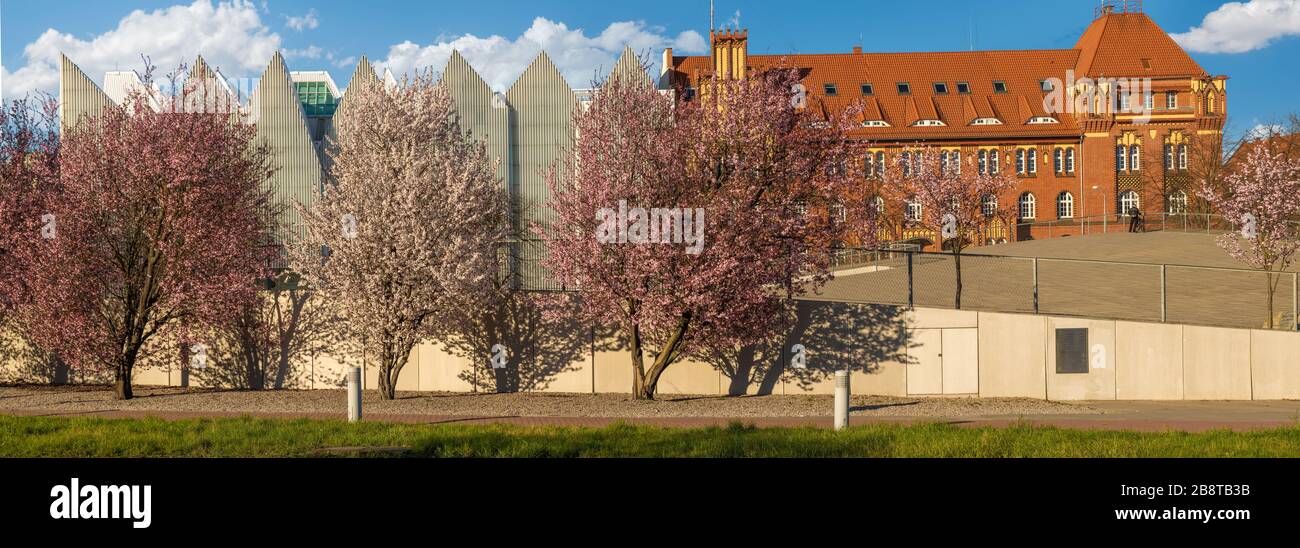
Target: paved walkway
pixel 1144 416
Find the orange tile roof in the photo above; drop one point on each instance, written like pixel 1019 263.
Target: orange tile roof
pixel 1115 45
pixel 1106 48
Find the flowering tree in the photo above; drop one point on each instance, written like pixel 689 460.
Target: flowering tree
pixel 957 202
pixel 157 232
pixel 1262 196
pixel 29 167
pixel 690 226
pixel 409 224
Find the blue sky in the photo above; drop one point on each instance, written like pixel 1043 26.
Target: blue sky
pixel 1255 42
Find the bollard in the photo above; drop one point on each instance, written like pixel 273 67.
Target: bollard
pixel 354 394
pixel 841 399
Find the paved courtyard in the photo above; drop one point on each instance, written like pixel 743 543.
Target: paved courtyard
pixel 1110 276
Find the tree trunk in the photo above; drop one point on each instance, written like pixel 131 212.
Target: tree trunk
pixel 956 253
pixel 122 382
pixel 1268 287
pixel 638 365
pixel 649 382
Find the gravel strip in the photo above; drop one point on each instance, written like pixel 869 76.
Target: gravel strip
pixel 98 398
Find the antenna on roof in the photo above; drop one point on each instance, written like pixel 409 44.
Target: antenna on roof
pixel 710 16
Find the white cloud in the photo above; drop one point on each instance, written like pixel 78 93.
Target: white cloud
pixel 501 60
pixel 1238 27
pixel 229 34
pixel 302 22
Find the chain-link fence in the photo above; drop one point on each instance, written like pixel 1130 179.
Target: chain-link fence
pixel 1068 287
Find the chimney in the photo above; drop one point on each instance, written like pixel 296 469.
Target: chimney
pixel 667 65
pixel 857 50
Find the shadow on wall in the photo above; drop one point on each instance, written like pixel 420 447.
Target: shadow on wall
pixel 834 336
pixel 22 362
pixel 537 349
pixel 271 345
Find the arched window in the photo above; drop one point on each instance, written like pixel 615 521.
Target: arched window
pixel 1135 157
pixel 1128 201
pixel 989 205
pixel 913 210
pixel 1065 205
pixel 1121 158
pixel 1028 206
pixel 878 205
pixel 1177 203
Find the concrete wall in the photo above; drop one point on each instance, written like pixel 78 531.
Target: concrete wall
pixel 889 350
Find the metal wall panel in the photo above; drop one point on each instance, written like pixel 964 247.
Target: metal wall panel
pixel 78 94
pixel 281 124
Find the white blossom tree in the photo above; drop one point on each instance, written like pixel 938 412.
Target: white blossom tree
pixel 407 229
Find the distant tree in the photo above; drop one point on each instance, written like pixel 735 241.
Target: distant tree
pixel 958 203
pixel 406 232
pixel 1261 195
pixel 760 181
pixel 158 231
pixel 29 168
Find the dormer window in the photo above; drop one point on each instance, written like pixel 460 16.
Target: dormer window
pixel 999 86
pixel 986 122
pixel 1045 85
pixel 1043 120
pixel 928 123
pixel 875 123
pixel 963 88
pixel 904 88
pixel 940 88
pixel 831 90
pixel 867 89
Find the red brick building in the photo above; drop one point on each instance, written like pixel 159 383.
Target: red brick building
pixel 1089 131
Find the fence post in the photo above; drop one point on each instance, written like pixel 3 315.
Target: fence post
pixel 1163 307
pixel 1035 285
pixel 911 302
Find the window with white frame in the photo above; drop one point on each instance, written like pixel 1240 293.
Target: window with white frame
pixel 1171 100
pixel 907 164
pixel 1182 156
pixel 1021 168
pixel 1149 101
pixel 1065 205
pixel 1135 158
pixel 1177 203
pixel 984 162
pixel 956 161
pixel 1121 158
pixel 1129 201
pixel 1069 160
pixel 1028 206
pixel 1058 160
pixel 995 163
pixel 878 204
pixel 1169 156
pixel 869 164
pixel 989 205
pixel 913 210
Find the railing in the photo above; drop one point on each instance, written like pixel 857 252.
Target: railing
pixel 1105 224
pixel 1184 294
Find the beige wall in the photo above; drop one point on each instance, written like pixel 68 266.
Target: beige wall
pixel 892 351
pixel 1012 355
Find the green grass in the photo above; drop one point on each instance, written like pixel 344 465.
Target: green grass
pixel 249 437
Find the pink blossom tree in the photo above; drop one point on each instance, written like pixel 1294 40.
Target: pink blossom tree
pixel 410 222
pixel 1262 197
pixel 691 226
pixel 158 232
pixel 957 202
pixel 29 168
